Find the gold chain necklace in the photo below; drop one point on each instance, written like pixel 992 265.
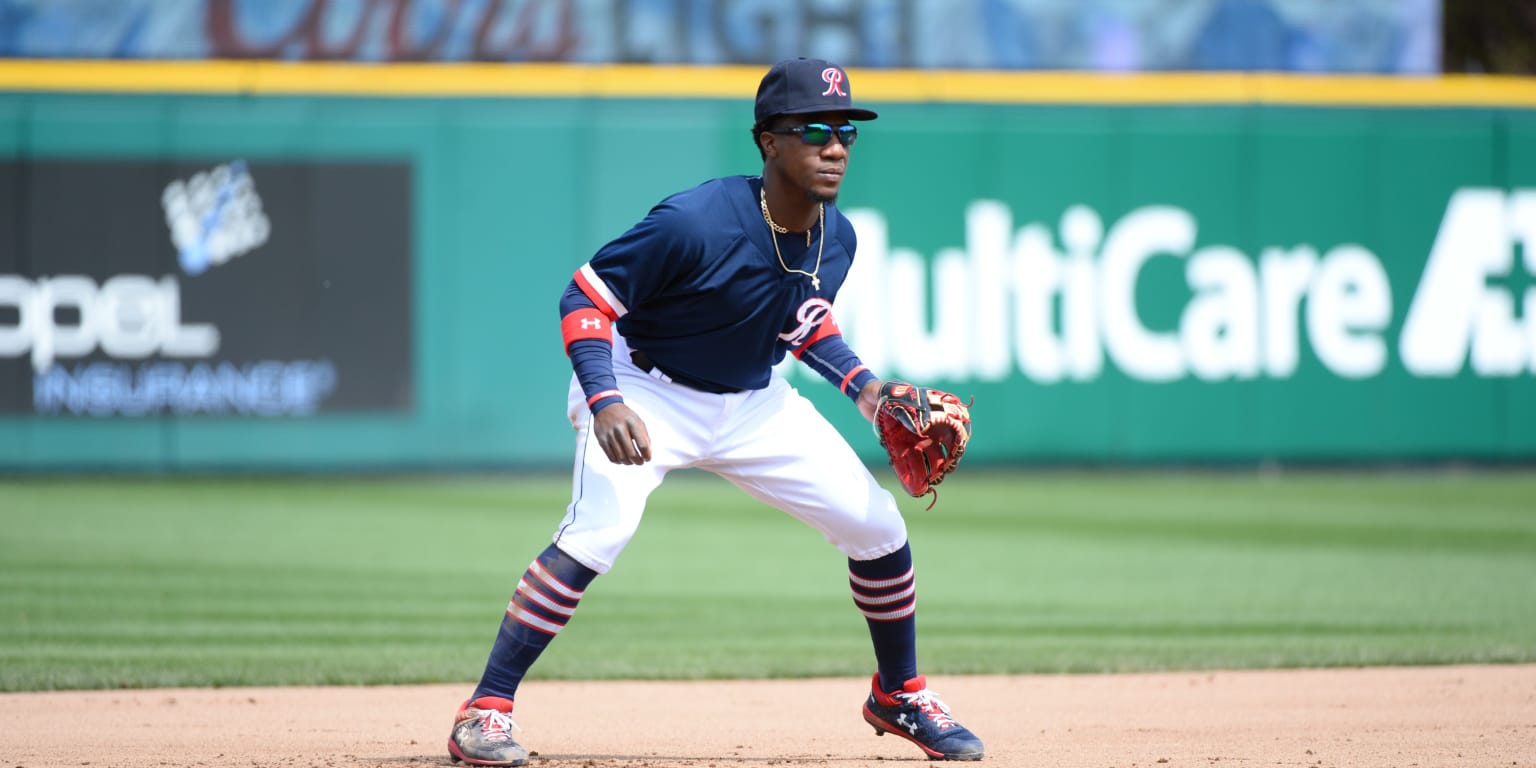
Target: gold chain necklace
pixel 776 230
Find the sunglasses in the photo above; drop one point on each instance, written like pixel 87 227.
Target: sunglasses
pixel 821 133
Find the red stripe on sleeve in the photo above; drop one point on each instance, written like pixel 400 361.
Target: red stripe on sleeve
pixel 843 387
pixel 595 295
pixel 603 394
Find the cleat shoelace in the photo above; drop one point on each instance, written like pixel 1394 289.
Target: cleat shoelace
pixel 928 702
pixel 494 725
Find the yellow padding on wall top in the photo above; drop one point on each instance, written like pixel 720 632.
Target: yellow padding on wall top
pixel 487 80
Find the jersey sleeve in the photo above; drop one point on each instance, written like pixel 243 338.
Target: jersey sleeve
pixel 643 261
pixel 622 274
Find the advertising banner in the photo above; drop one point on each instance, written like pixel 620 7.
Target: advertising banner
pixel 1388 36
pixel 1204 285
pixel 142 288
pixel 192 282
pixel 1137 336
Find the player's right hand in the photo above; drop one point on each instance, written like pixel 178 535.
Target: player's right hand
pixel 622 435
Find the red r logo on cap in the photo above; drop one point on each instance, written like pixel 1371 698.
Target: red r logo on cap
pixel 834 80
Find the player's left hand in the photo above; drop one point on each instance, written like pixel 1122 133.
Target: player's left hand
pixel 622 434
pixel 924 433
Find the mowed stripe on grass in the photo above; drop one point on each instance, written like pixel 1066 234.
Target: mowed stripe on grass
pixel 121 582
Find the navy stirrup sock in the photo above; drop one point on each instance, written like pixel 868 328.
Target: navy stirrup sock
pixel 545 599
pixel 886 593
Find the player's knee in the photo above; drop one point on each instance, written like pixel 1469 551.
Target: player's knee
pixel 882 531
pixel 566 568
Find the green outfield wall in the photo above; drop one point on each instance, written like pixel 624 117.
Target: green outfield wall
pixel 213 267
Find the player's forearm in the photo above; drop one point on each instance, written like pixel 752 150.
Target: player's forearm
pixel 593 363
pixel 588 337
pixel 835 361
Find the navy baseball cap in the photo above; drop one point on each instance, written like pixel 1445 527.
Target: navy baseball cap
pixel 803 86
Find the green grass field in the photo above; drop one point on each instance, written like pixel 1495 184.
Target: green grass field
pixel 192 582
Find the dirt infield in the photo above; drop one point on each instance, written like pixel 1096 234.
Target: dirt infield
pixel 1436 716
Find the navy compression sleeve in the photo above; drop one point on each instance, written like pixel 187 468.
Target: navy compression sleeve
pixel 591 354
pixel 831 357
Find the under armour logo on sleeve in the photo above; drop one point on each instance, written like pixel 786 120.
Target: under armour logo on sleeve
pixel 585 323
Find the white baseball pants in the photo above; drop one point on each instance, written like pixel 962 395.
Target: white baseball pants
pixel 771 443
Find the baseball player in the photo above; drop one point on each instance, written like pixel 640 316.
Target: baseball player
pixel 673 331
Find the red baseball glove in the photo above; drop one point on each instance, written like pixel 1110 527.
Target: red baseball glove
pixel 924 433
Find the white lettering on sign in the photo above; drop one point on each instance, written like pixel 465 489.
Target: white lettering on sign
pixel 127 316
pixel 1057 305
pixel 1456 312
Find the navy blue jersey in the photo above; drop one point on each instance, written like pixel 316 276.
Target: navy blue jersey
pixel 696 284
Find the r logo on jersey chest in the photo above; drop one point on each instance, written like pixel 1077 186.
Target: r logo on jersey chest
pixel 809 316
